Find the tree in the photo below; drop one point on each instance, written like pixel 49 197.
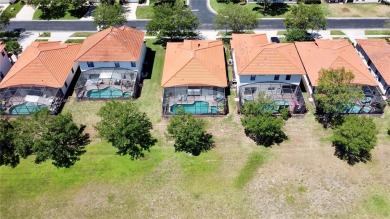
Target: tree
pixel 293 35
pixel 60 139
pixel 236 18
pixel 305 17
pixel 172 21
pixel 106 15
pixel 8 153
pixel 260 124
pixel 128 129
pixel 335 93
pixel 4 19
pixel 189 134
pixel 14 47
pixel 354 139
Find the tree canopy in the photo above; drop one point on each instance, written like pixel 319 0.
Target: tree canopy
pixel 8 153
pixel 236 18
pixel 107 15
pixel 293 35
pixel 126 128
pixel 260 124
pixel 14 47
pixel 4 19
pixel 305 17
pixel 354 139
pixel 172 21
pixel 335 92
pixel 189 134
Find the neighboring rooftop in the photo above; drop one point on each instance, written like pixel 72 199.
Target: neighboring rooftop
pixel 112 44
pixel 378 51
pixel 325 54
pixel 42 64
pixel 256 56
pixel 195 63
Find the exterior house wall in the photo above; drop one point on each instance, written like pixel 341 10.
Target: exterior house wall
pixel 375 73
pixel 70 77
pixel 5 64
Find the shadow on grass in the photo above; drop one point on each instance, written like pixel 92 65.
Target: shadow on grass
pixel 276 9
pixel 59 11
pixel 79 12
pixel 351 158
pixel 266 141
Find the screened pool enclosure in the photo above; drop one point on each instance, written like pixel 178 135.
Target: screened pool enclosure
pixel 283 95
pixel 25 99
pixel 101 83
pixel 194 100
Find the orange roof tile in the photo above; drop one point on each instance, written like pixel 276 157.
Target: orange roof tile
pixel 194 63
pixel 112 44
pixel 325 54
pixel 42 64
pixel 255 56
pixel 378 50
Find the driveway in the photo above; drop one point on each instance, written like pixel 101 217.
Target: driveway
pixel 26 14
pixel 201 10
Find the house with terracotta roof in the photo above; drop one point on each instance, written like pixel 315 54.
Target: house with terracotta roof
pixel 376 53
pixel 40 78
pixel 111 63
pixel 5 62
pixel 271 69
pixel 327 54
pixel 194 77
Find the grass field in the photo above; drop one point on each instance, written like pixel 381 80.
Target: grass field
pixel 300 178
pixel 14 9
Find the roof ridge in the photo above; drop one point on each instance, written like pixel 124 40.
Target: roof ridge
pixel 250 61
pixel 285 56
pixel 177 71
pixel 39 58
pixel 212 72
pixel 96 42
pixel 352 66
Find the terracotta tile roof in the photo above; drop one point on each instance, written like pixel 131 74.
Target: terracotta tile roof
pixel 378 50
pixel 112 44
pixel 325 54
pixel 194 63
pixel 42 64
pixel 256 56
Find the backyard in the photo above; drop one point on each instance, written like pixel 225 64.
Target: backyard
pixel 237 179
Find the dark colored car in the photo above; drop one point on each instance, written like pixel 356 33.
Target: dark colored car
pixel 275 40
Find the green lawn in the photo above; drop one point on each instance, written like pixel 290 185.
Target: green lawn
pixel 45 34
pixel 281 32
pixel 42 40
pixel 275 10
pixel 69 13
pixel 377 32
pixel 336 32
pixel 299 178
pixel 74 41
pixel 14 9
pixel 145 12
pixel 82 34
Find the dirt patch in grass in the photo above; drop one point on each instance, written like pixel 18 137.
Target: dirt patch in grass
pixel 345 10
pixel 357 10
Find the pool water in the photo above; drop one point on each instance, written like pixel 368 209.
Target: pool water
pixel 25 108
pixel 108 92
pixel 198 107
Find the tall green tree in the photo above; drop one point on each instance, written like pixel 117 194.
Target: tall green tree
pixel 171 22
pixel 335 93
pixel 260 124
pixel 306 17
pixel 8 153
pixel 293 35
pixel 4 19
pixel 59 139
pixel 126 128
pixel 107 15
pixel 189 134
pixel 236 18
pixel 354 139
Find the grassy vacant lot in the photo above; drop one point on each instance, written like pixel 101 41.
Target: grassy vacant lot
pixel 376 32
pixel 237 179
pixel 69 13
pixel 357 10
pixel 16 8
pixel 145 11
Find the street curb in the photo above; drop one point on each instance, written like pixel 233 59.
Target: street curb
pixel 210 8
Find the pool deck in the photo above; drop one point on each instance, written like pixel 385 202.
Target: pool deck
pixel 192 99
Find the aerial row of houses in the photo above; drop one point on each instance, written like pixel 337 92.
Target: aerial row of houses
pixel 109 64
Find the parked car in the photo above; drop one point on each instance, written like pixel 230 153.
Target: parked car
pixel 275 40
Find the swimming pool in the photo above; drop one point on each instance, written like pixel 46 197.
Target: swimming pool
pixel 25 108
pixel 198 107
pixel 108 92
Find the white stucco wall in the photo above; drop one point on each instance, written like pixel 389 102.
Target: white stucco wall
pixel 5 64
pixel 70 78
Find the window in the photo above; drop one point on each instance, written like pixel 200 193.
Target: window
pixel 288 77
pixel 66 84
pixel 2 53
pixel 133 64
pixel 117 64
pixel 253 77
pixel 90 64
pixel 276 78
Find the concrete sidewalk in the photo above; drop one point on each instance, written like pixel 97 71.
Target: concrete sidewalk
pixel 25 14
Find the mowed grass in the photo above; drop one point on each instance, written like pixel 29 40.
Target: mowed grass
pixel 13 9
pixel 69 13
pixel 145 11
pixel 236 179
pixel 336 32
pixel 82 34
pixel 376 32
pixel 357 10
